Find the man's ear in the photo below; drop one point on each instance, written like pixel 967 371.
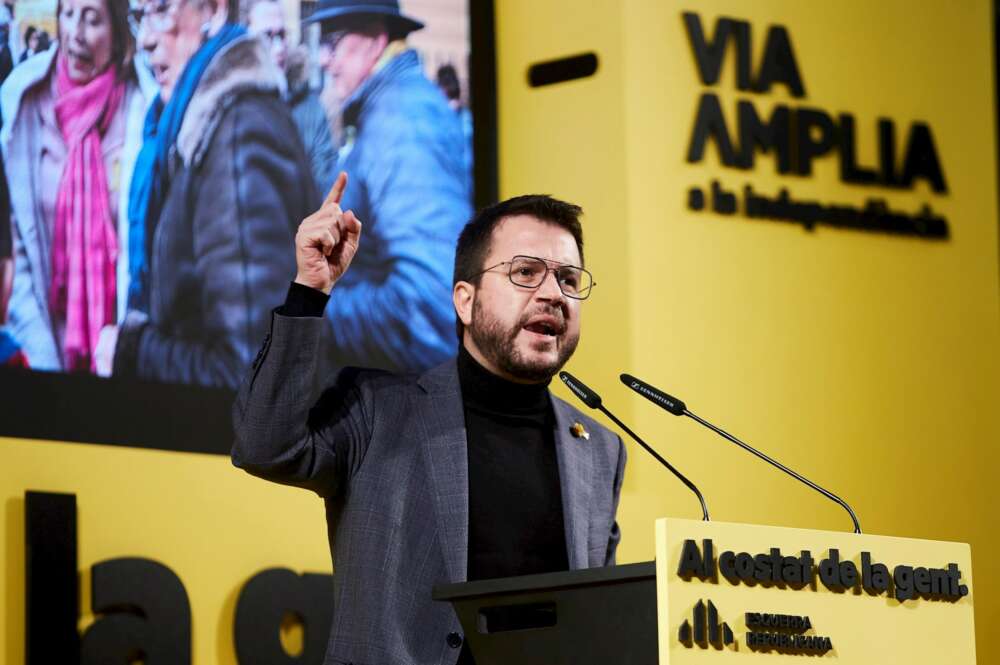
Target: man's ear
pixel 218 15
pixel 463 294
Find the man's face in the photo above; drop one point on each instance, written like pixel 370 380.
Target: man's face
pixel 523 334
pixel 171 32
pixel 350 58
pixel 267 19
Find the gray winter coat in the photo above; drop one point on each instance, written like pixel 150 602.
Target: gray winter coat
pixel 223 248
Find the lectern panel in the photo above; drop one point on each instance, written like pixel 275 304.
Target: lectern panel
pixel 579 617
pixel 736 593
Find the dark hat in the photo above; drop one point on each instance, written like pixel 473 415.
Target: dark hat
pixel 333 13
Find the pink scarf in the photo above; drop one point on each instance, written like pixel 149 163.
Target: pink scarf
pixel 84 240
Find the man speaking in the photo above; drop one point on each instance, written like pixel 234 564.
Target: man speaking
pixel 472 470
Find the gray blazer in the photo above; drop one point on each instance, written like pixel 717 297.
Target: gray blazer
pixel 388 455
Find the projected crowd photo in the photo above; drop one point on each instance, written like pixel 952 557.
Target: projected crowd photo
pixel 159 155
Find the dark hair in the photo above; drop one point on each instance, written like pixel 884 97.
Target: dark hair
pixel 122 39
pixel 447 80
pixel 476 238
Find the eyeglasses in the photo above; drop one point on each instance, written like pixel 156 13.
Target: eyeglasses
pixel 331 39
pixel 531 271
pixel 158 16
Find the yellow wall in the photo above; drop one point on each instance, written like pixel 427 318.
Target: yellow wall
pixel 210 523
pixel 868 362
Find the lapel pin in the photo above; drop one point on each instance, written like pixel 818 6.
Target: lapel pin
pixel 579 431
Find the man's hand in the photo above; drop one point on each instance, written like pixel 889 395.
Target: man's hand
pixel 326 241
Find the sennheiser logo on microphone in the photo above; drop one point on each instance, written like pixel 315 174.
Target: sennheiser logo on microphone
pixel 653 395
pixel 573 387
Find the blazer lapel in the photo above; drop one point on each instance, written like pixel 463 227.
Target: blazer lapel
pixel 575 480
pixel 446 455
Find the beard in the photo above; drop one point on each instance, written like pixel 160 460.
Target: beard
pixel 499 345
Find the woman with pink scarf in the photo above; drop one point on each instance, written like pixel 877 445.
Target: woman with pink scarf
pixel 72 128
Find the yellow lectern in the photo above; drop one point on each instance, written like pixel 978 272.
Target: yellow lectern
pixel 738 593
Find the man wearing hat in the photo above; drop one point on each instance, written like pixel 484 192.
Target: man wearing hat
pixel 403 147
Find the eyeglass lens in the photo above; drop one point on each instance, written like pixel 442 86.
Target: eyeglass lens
pixel 531 272
pixel 331 39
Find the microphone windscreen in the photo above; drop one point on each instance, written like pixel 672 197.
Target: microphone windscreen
pixel 654 395
pixel 588 396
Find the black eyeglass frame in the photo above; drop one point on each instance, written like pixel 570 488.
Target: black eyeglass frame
pixel 329 40
pixel 547 271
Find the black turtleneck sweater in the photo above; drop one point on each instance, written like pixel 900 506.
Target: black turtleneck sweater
pixel 515 506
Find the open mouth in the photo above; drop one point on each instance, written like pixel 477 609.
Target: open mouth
pixel 80 59
pixel 159 73
pixel 541 329
pixel 545 326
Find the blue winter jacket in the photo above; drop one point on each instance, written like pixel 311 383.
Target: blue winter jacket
pixel 410 187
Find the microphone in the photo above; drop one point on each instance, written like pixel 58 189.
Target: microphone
pixel 593 400
pixel 677 407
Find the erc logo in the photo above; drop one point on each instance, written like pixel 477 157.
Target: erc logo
pixel 782 633
pixel 707 629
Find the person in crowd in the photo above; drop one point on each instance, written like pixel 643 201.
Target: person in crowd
pixel 42 41
pixel 266 19
pixel 6 245
pixel 404 150
pixel 36 41
pixel 6 251
pixel 10 351
pixel 447 81
pixel 30 43
pixel 72 129
pixel 221 183
pixel 6 55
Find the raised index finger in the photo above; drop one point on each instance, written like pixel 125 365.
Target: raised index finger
pixel 337 191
